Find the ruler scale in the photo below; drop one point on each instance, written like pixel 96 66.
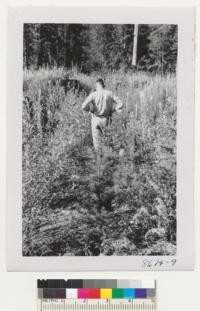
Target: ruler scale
pixel 99 295
pixel 103 305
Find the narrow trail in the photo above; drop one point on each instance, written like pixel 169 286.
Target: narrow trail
pixel 124 205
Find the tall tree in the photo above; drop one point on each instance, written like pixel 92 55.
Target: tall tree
pixel 162 48
pixel 94 47
pixel 135 45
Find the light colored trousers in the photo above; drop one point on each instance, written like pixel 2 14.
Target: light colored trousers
pixel 98 128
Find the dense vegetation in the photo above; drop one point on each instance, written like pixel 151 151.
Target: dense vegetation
pixel 100 47
pixel 75 203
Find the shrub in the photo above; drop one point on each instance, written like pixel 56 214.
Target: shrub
pixel 120 203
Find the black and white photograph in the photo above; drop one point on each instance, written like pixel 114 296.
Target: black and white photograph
pixel 99 139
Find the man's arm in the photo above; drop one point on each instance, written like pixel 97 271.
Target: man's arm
pixel 87 102
pixel 118 102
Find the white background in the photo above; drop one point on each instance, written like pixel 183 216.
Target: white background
pixel 177 291
pixel 184 17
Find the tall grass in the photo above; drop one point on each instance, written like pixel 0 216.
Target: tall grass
pixel 75 203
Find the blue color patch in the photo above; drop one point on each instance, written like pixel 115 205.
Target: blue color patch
pixel 140 293
pixel 129 293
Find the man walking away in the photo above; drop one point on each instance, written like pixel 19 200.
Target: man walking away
pixel 102 104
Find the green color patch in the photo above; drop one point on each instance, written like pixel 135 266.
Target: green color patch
pixel 117 293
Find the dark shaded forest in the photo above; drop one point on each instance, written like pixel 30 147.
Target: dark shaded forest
pixel 74 202
pixel 97 47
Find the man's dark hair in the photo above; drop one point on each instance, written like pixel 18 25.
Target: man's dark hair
pixel 101 82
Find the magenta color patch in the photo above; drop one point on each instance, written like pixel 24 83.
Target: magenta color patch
pixel 83 293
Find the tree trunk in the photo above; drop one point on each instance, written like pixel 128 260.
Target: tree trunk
pixel 135 44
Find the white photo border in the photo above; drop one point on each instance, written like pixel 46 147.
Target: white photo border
pixel 185 19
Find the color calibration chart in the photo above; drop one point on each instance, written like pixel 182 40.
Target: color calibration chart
pixel 95 294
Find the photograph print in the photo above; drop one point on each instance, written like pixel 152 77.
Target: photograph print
pixel 99 138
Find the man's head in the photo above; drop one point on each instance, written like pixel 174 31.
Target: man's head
pixel 99 84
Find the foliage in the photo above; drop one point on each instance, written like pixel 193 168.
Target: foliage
pixel 162 48
pixel 105 47
pixel 119 202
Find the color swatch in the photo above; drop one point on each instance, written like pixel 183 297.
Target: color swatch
pixel 96 289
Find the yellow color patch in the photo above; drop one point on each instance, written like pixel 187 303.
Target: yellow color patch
pixel 106 293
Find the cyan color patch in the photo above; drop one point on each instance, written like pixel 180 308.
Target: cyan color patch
pixel 129 293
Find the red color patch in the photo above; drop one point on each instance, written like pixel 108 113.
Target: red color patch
pixel 94 293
